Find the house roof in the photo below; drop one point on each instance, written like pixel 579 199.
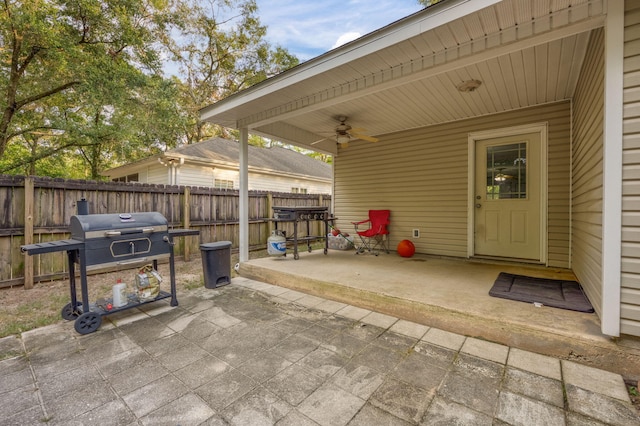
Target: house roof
pixel 406 75
pixel 226 153
pixel 274 158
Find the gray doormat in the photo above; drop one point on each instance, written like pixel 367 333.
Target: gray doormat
pixel 555 293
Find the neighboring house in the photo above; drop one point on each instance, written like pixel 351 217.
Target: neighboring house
pixel 508 129
pixel 214 163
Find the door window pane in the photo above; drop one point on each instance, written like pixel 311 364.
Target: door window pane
pixel 507 171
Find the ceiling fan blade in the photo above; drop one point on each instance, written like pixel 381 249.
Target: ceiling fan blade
pixel 321 140
pixel 364 137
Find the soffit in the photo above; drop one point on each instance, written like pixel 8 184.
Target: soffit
pixel 525 52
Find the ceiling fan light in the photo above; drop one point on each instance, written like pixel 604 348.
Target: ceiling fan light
pixel 342 139
pixel 469 86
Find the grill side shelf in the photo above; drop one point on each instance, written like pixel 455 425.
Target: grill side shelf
pixel 52 246
pixel 183 232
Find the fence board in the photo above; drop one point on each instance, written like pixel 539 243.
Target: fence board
pixel 213 212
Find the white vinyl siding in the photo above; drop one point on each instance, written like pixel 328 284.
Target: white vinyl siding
pixel 203 176
pixel 421 175
pixel 588 119
pixel 261 182
pixel 630 279
pixel 156 174
pixel 190 175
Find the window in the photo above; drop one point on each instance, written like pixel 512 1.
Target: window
pixel 299 190
pixel 131 178
pixel 507 171
pixel 223 184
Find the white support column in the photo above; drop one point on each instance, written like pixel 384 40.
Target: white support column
pixel 244 194
pixel 612 168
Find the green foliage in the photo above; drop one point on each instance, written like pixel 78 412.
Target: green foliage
pixel 427 3
pixel 219 49
pixel 83 85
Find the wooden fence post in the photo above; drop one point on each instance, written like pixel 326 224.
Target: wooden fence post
pixel 28 230
pixel 269 226
pixel 186 218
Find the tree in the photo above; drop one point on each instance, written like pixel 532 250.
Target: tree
pixel 219 48
pixel 60 64
pixel 83 80
pixel 427 3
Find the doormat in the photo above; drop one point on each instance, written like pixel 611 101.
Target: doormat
pixel 555 293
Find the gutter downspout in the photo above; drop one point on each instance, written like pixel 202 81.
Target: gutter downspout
pixel 172 166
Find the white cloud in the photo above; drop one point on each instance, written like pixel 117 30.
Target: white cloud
pixel 346 38
pixel 308 28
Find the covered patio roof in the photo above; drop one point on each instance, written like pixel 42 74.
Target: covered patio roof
pixel 406 75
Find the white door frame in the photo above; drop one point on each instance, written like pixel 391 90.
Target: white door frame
pixel 540 128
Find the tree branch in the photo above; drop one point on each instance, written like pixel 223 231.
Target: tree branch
pixel 31 130
pixel 40 156
pixel 30 99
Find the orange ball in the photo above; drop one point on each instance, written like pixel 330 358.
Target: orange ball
pixel 406 248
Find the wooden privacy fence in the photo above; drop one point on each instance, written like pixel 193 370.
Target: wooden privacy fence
pixel 36 209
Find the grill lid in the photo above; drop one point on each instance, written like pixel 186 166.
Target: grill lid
pixel 84 227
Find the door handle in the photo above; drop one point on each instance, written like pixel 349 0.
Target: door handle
pixel 478 205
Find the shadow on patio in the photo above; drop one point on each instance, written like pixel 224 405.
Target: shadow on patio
pixel 452 295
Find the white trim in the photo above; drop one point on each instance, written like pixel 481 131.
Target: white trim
pixel 474 137
pixel 612 167
pixel 244 195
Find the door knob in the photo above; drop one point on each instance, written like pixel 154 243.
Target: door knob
pixel 478 205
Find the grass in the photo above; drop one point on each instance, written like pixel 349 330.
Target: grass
pixel 23 310
pixel 31 313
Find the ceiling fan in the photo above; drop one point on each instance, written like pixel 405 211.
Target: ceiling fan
pixel 344 133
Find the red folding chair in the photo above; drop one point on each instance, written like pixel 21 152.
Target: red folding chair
pixel 376 236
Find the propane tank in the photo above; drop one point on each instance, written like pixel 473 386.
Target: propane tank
pixel 277 243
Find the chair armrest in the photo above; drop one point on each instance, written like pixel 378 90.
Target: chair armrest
pixel 361 222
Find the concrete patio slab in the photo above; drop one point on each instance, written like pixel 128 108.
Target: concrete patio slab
pixel 290 364
pixel 452 295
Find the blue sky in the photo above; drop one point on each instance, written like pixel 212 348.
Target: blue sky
pixel 310 28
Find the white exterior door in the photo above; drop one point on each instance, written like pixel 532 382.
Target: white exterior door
pixel 507 197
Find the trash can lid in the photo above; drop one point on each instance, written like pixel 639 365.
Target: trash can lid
pixel 218 245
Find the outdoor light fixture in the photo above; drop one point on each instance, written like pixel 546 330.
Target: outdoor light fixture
pixel 342 139
pixel 469 86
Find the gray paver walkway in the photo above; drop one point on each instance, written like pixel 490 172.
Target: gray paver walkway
pixel 255 354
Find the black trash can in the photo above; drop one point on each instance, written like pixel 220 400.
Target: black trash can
pixel 216 263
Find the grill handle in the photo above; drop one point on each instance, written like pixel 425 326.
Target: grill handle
pixel 128 262
pixel 128 231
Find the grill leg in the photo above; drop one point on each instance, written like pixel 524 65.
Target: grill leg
pixel 71 258
pixel 83 283
pixel 172 273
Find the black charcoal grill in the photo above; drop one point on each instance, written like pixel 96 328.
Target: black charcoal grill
pixel 119 239
pixel 111 240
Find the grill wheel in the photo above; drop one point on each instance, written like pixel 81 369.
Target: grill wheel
pixel 88 322
pixel 69 313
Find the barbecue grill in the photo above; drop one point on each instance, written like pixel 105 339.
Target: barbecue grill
pixel 303 214
pixel 111 240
